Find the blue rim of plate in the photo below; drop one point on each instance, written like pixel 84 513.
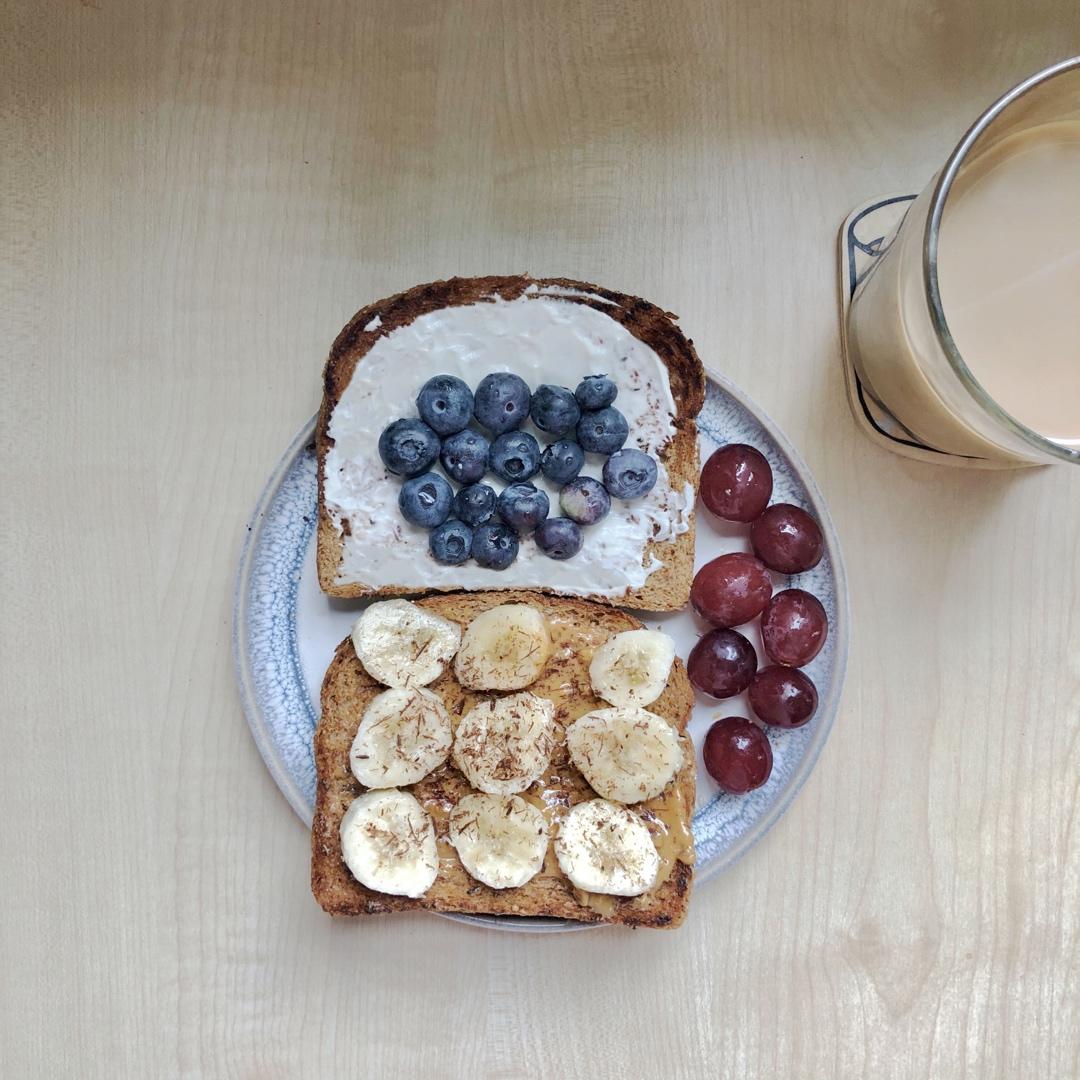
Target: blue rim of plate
pixel 257 677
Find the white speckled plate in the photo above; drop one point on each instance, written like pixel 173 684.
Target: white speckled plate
pixel 286 630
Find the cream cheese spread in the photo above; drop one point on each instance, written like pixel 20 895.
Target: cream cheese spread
pixel 544 339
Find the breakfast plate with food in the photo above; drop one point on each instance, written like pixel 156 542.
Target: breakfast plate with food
pixel 539 622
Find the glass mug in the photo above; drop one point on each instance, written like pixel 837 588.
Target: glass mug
pixel 898 328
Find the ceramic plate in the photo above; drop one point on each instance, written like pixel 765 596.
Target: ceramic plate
pixel 286 630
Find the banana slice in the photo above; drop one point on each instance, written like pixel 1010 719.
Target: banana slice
pixel 501 840
pixel 388 842
pixel 504 648
pixel 632 668
pixel 628 755
pixel 401 644
pixel 604 848
pixel 503 746
pixel 403 735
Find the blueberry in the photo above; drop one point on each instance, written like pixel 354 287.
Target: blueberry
pixel 501 402
pixel 474 504
pixel 425 500
pixel 408 447
pixel 603 431
pixel 523 507
pixel 596 392
pixel 465 456
pixel 584 500
pixel 445 404
pixel 495 546
pixel 629 474
pixel 554 410
pixel 451 542
pixel 559 538
pixel 515 456
pixel 562 461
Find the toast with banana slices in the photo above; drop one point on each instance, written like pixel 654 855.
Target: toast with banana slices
pixel 496 780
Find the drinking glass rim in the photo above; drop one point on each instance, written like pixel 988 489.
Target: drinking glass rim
pixel 930 253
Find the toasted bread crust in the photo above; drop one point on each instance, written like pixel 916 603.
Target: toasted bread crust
pixel 346 691
pixel 667 588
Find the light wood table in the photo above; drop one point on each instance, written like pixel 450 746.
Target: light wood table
pixel 198 195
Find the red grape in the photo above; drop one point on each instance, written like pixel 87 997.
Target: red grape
pixel 736 482
pixel 786 538
pixel 737 754
pixel 731 590
pixel 722 663
pixel 783 696
pixel 794 627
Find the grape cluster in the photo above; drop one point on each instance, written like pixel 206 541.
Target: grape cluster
pixel 729 591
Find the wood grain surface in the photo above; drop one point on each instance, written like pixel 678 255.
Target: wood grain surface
pixel 197 195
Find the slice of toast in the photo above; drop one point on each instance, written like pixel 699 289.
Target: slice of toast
pixel 670 557
pixel 578 628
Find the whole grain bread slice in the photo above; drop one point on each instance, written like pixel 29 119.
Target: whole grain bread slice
pixel 666 588
pixel 579 627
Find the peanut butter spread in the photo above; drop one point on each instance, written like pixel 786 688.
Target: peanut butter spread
pixel 565 682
